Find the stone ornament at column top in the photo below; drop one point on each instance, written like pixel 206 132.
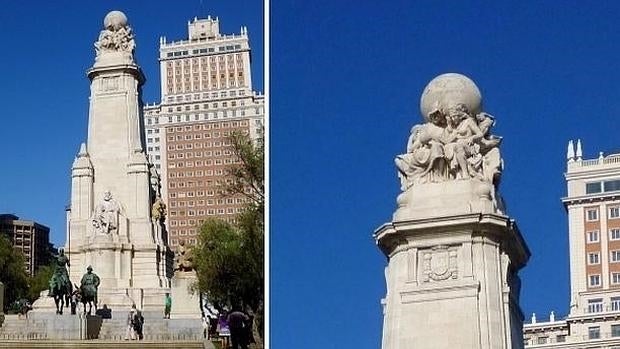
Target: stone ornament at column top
pixel 454 142
pixel 116 40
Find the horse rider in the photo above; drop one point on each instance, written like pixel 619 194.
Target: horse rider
pixel 60 278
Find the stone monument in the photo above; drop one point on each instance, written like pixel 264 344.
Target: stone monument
pixel 185 301
pixel 453 253
pixel 111 224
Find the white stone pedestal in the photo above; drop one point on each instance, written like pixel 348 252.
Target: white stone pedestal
pixel 185 304
pixel 45 304
pixel 452 282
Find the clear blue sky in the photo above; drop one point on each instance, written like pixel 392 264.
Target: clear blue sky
pixel 346 82
pixel 47 48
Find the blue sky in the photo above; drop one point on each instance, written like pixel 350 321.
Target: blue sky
pixel 48 46
pixel 346 81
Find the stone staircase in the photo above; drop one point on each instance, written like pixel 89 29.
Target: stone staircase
pixel 101 344
pixel 17 328
pixel 155 328
pixel 72 327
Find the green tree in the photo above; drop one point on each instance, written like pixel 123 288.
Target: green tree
pixel 40 281
pixel 12 272
pixel 229 258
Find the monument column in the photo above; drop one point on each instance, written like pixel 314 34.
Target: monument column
pixel 111 227
pixel 453 253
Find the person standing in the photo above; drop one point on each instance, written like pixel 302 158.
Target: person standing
pixel 237 321
pixel 138 324
pixel 74 301
pixel 167 306
pixel 130 334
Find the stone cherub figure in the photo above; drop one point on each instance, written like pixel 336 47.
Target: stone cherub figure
pixel 183 259
pixel 105 219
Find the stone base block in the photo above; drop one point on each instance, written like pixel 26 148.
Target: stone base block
pixel 52 326
pixel 44 304
pixel 447 199
pixel 185 304
pixel 116 300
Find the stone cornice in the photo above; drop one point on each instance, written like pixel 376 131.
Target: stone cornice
pixel 132 69
pixel 594 317
pixel 589 199
pixel 391 237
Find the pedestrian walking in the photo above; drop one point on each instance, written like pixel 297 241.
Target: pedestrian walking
pixel 237 322
pixel 138 324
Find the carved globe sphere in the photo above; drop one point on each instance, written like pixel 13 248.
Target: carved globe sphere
pixel 449 90
pixel 115 20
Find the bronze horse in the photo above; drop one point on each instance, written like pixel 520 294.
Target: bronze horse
pixel 62 295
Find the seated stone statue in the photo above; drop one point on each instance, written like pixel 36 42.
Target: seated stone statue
pixel 105 218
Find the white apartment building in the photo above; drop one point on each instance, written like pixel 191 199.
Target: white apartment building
pixel 206 93
pixel 593 207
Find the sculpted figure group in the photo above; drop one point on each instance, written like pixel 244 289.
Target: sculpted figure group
pixel 453 144
pixel 116 35
pixel 61 289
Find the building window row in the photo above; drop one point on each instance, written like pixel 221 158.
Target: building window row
pixel 592 215
pixel 204 50
pixel 209 126
pixel 207 95
pixel 594 332
pixel 544 339
pixel 603 186
pixel 221 114
pixel 594 236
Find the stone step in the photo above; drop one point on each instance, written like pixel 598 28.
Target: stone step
pixel 105 344
pixel 157 329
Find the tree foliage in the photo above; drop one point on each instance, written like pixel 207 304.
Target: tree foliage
pixel 229 257
pixel 12 272
pixel 248 177
pixel 40 281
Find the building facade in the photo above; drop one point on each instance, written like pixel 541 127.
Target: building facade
pixel 206 94
pixel 593 207
pixel 30 237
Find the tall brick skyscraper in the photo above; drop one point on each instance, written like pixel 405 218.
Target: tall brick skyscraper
pixel 207 93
